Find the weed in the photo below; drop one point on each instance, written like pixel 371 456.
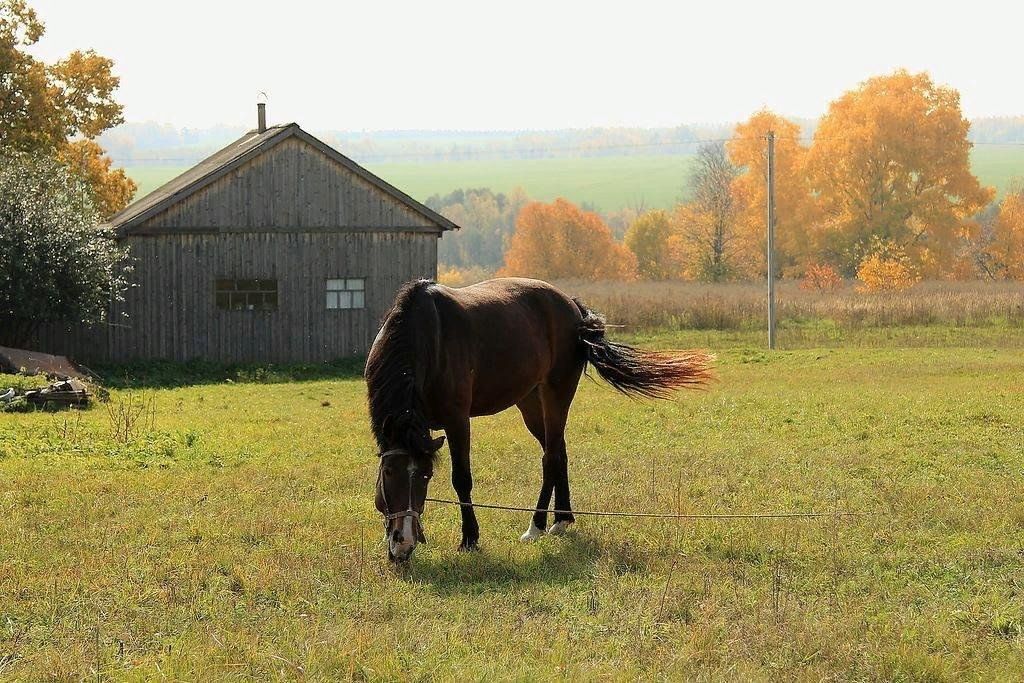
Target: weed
pixel 130 414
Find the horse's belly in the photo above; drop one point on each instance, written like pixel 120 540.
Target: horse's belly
pixel 490 407
pixel 501 381
pixel 498 393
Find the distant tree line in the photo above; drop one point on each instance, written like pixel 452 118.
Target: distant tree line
pixel 153 143
pixel 998 129
pixel 149 143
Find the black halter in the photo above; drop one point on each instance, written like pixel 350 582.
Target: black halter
pixel 388 514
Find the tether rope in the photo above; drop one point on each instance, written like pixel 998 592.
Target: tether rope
pixel 658 515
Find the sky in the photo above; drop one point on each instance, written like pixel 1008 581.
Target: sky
pixel 528 65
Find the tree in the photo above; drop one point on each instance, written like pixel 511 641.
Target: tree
pixel 620 220
pixel 890 161
pixel 647 238
pixel 560 240
pixel 111 189
pixel 706 242
pixel 56 265
pixel 43 107
pixel 796 212
pixel 487 221
pixel 1003 251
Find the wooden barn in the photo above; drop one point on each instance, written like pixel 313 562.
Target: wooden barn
pixel 277 248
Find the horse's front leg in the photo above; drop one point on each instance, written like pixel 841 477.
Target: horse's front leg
pixel 462 481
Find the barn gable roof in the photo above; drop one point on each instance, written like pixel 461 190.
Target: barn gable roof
pixel 239 152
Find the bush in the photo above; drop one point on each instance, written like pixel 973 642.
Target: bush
pixel 821 278
pixel 886 268
pixel 56 264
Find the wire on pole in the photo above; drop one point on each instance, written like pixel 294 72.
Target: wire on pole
pixel 782 514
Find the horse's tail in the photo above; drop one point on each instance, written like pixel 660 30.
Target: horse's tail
pixel 635 372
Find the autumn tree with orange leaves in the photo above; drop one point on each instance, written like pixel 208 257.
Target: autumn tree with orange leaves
pixel 560 240
pixel 796 210
pixel 111 189
pixel 58 109
pixel 890 161
pixel 1001 248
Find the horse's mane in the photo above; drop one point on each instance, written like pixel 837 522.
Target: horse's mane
pixel 395 370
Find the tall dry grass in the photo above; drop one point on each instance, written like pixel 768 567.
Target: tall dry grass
pixel 701 306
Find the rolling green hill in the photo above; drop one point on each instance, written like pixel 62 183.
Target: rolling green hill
pixel 607 183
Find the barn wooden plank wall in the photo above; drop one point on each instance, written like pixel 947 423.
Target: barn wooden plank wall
pixel 172 313
pixel 291 214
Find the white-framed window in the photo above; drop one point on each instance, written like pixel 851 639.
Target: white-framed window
pixel 347 292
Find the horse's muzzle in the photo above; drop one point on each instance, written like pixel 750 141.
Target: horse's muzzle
pixel 402 537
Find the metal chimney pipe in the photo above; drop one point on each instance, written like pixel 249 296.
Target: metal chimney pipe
pixel 261 117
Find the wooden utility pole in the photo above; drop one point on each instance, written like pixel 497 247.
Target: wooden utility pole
pixel 771 239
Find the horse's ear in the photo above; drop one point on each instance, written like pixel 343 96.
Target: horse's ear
pixel 435 444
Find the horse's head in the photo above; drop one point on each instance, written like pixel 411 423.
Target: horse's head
pixel 401 494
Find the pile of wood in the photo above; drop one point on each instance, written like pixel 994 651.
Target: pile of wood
pixel 62 393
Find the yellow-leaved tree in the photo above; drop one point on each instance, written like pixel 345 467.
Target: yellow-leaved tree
pixel 647 237
pixel 111 189
pixel 706 241
pixel 796 212
pixel 58 109
pixel 890 161
pixel 560 240
pixel 1003 254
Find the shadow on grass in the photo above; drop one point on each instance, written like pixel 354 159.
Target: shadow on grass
pixel 559 561
pixel 170 374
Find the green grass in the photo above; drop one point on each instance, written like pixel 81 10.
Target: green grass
pixel 609 183
pixel 148 178
pixel 999 167
pixel 235 536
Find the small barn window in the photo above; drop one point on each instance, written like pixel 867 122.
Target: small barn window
pixel 246 295
pixel 349 292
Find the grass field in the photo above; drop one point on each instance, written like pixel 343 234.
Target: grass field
pixel 234 536
pixel 148 178
pixel 609 183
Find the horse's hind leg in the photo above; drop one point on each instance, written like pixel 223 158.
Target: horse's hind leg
pixel 556 399
pixel 533 416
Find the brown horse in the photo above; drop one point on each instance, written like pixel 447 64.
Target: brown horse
pixel 446 355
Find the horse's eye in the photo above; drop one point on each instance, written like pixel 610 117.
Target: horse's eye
pixel 387 471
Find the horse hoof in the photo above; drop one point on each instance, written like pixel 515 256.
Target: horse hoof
pixel 559 528
pixel 468 547
pixel 532 534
